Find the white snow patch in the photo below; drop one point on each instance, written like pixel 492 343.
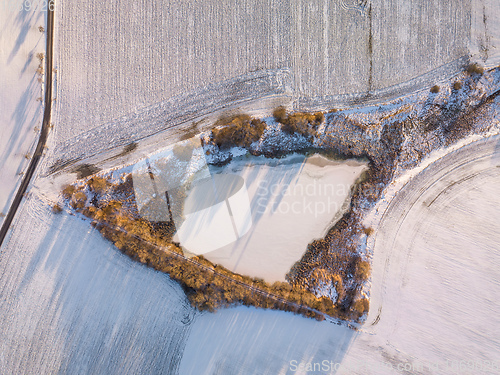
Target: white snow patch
pixel 294 200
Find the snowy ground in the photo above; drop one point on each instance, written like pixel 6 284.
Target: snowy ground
pixel 20 108
pixel 71 303
pixel 485 31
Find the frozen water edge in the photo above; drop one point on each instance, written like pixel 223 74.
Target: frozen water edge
pixel 293 201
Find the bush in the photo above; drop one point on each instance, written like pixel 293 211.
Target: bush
pixel 98 184
pixel 78 200
pixel 68 191
pixel 362 271
pixel 56 209
pixel 435 89
pixel 339 287
pixel 475 69
pixel 361 306
pixel 457 85
pixel 279 114
pixel 239 130
pixel 301 122
pixel 368 231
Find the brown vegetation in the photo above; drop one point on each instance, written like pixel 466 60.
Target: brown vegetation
pixel 299 122
pixel 68 191
pixel 475 69
pixel 435 89
pixel 239 130
pixel 362 272
pixel 457 85
pixel 368 231
pixel 78 200
pixel 97 184
pixel 361 306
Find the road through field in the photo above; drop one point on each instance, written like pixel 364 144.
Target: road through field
pixel 43 134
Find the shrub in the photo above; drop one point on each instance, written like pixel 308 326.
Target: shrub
pixel 279 114
pixel 435 89
pixel 475 69
pixel 98 184
pixel 362 270
pixel 68 191
pixel 301 122
pixel 56 209
pixel 457 85
pixel 321 276
pixel 239 130
pixel 78 200
pixel 368 231
pixel 361 306
pixel 339 287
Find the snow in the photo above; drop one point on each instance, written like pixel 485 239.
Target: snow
pixel 294 200
pixel 20 111
pixel 485 32
pixel 436 257
pixel 250 341
pixel 71 303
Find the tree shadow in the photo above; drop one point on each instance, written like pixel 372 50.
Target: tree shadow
pixel 19 117
pixel 106 313
pixel 26 20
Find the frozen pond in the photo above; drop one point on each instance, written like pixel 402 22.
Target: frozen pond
pixel 291 201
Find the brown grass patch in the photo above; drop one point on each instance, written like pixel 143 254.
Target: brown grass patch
pixel 299 122
pixel 238 130
pixel 475 69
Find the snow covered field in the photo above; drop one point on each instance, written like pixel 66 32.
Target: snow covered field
pixel 437 260
pixel 20 110
pixel 71 303
pixel 130 56
pixel 293 202
pixel 485 31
